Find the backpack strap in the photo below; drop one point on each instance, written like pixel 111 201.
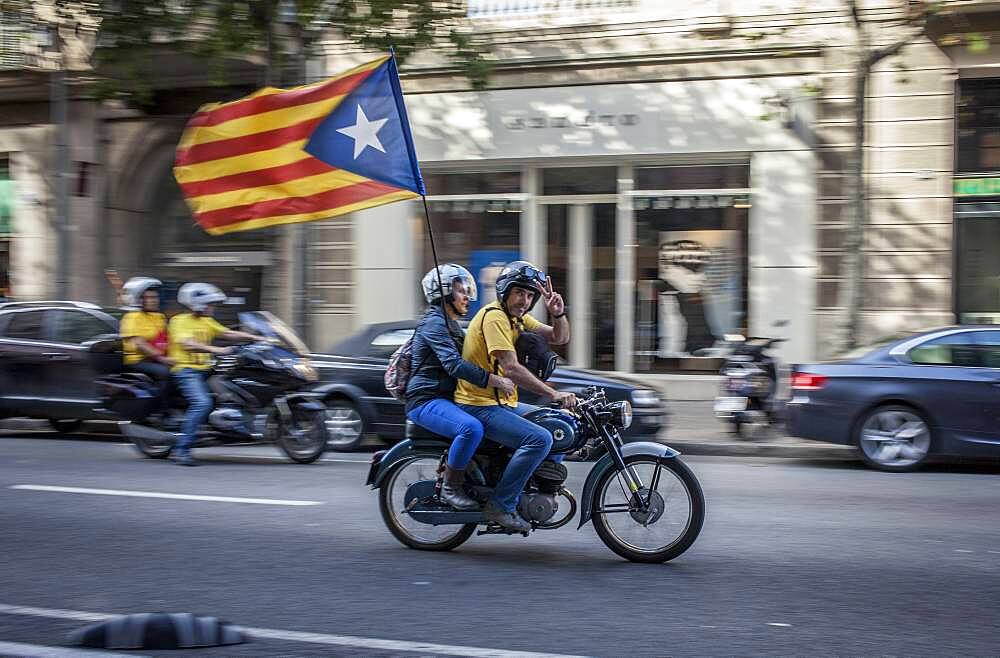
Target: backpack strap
pixel 489 358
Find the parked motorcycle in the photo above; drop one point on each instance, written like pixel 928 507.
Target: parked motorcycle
pixel 749 396
pixel 646 504
pixel 257 399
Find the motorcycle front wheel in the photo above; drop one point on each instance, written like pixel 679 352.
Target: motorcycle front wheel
pixel 305 440
pixel 657 523
pixel 409 531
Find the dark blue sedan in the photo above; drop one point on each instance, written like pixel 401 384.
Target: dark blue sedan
pixel 935 393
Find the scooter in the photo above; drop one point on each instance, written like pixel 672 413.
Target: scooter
pixel 257 392
pixel 749 396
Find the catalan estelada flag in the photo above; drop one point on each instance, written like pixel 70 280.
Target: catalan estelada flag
pixel 282 156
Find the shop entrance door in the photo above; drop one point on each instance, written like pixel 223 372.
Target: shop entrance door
pixel 978 285
pixel 581 261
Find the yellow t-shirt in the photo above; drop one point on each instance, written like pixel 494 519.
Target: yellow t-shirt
pixel 202 329
pixel 139 324
pixel 492 331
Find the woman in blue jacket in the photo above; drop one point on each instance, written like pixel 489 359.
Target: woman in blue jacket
pixel 437 366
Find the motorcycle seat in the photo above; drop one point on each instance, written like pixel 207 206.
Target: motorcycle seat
pixel 418 433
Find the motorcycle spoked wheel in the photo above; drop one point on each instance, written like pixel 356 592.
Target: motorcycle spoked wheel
pixel 409 531
pixel 307 442
pixel 674 517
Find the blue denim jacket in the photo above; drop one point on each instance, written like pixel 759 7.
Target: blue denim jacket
pixel 437 361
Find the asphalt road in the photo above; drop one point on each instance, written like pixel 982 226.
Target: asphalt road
pixel 796 558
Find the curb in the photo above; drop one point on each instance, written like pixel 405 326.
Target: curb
pixel 762 449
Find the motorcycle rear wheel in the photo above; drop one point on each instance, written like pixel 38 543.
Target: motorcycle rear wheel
pixel 681 511
pixel 310 425
pixel 409 532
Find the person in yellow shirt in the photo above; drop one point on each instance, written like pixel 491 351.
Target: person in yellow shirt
pixel 489 344
pixel 144 333
pixel 191 349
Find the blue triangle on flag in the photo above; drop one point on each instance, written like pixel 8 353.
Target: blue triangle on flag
pixel 368 133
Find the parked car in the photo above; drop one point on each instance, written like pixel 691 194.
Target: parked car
pixel 933 393
pixel 351 377
pixel 50 355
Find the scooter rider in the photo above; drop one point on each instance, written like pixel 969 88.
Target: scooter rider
pixel 437 364
pixel 144 329
pixel 490 345
pixel 191 336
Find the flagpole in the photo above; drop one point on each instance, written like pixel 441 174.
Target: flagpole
pixel 437 267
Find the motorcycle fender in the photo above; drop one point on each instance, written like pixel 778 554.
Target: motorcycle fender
pixel 403 451
pixel 310 401
pixel 605 464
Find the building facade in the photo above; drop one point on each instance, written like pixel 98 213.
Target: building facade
pixel 680 170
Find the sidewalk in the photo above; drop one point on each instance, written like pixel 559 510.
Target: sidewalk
pixel 692 429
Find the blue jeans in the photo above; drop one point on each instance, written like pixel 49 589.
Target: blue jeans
pixel 531 444
pixel 195 391
pixel 444 417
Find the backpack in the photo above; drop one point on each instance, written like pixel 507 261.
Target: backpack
pixel 397 375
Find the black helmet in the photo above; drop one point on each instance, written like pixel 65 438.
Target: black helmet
pixel 520 274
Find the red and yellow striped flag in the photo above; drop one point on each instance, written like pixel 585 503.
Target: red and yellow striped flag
pixel 282 156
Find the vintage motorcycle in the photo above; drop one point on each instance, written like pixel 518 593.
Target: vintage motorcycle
pixel 257 399
pixel 646 504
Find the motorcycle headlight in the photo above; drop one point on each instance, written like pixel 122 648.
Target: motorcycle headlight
pixel 644 397
pixel 306 372
pixel 621 414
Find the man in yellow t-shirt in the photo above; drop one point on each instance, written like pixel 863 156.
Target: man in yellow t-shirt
pixel 144 332
pixel 191 336
pixel 489 344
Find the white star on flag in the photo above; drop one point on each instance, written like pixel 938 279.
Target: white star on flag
pixel 364 133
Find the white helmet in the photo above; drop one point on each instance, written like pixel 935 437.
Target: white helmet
pixel 134 289
pixel 449 272
pixel 197 296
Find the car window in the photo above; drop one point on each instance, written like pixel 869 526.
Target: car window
pixel 28 325
pixel 386 343
pixel 78 326
pixel 989 347
pixel 952 350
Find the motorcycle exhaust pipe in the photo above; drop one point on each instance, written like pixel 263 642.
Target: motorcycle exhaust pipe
pixel 142 432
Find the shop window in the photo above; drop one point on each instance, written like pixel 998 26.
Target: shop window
pixel 6 195
pixel 978 270
pixel 494 182
pixel 978 121
pixel 557 256
pixel 691 274
pixel 708 177
pixel 580 180
pixel 479 234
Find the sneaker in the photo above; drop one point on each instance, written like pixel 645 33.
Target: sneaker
pixel 509 520
pixel 184 458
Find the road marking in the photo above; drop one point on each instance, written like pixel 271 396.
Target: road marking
pixel 171 496
pixel 42 651
pixel 422 582
pixel 309 638
pixel 963 550
pixel 774 623
pixel 348 461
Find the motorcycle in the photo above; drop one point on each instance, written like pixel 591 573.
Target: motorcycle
pixel 646 504
pixel 256 392
pixel 748 396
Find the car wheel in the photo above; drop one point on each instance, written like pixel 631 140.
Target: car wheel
pixel 345 427
pixel 894 438
pixel 65 425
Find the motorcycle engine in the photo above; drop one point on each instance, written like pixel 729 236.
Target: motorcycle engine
pixel 548 479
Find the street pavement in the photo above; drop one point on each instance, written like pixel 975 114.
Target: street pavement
pixel 797 557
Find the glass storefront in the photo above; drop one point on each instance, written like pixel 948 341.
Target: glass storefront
pixel 977 207
pixel 690 253
pixel 977 242
pixel 691 265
